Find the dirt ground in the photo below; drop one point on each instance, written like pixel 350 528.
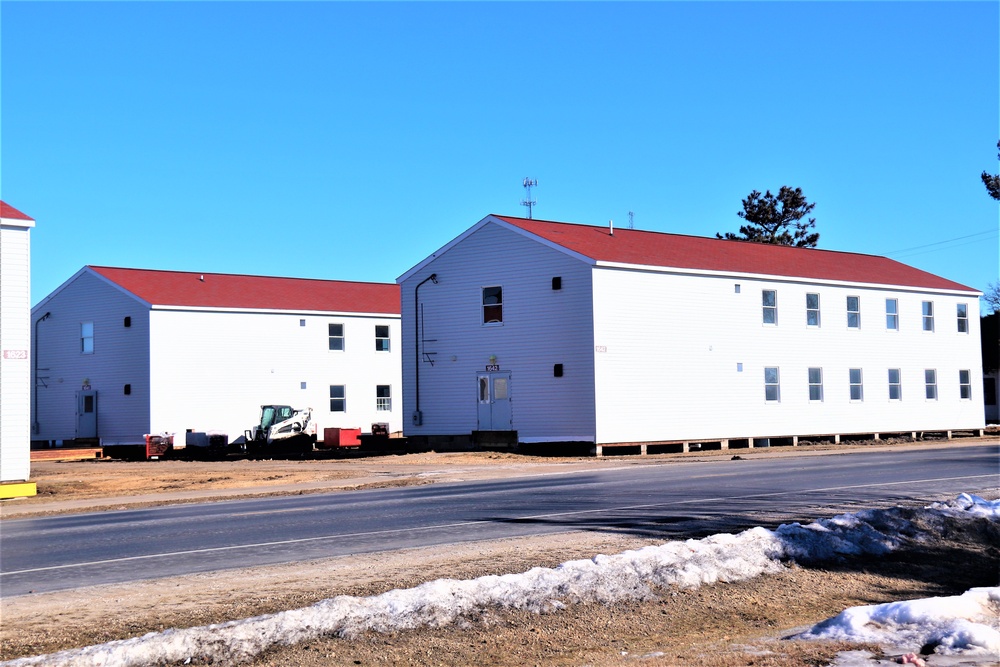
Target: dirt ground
pixel 722 625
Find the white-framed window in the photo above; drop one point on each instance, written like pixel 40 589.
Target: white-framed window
pixel 892 314
pixel 87 337
pixel 857 386
pixel 812 310
pixel 895 385
pixel 336 333
pixel 338 398
pixel 381 337
pixel 769 301
pixel 854 312
pixel 772 384
pixel 928 315
pixel 965 385
pixel 383 397
pixel 962 311
pixel 493 305
pixel 815 384
pixel 930 384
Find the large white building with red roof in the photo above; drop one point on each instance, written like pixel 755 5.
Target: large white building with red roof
pixel 552 332
pixel 124 352
pixel 15 359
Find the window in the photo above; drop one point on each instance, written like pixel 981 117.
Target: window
pixel 895 386
pixel 383 397
pixel 857 387
pixel 87 337
pixel 965 385
pixel 892 314
pixel 302 323
pixel 930 384
pixel 854 312
pixel 928 316
pixel 772 387
pixel 338 398
pixel 812 310
pixel 963 318
pixel 815 384
pixel 337 337
pixel 381 337
pixel 492 305
pixel 769 299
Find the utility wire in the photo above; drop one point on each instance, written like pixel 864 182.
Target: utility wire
pixel 969 236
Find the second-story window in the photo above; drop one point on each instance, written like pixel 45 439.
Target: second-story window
pixel 492 305
pixel 87 337
pixel 854 312
pixel 963 318
pixel 892 314
pixel 769 301
pixel 812 310
pixel 381 337
pixel 928 310
pixel 336 337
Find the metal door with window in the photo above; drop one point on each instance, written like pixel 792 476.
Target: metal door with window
pixel 494 401
pixel 86 414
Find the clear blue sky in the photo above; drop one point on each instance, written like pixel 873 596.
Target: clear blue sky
pixel 350 140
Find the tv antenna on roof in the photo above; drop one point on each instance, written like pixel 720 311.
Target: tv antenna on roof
pixel 528 201
pixel 631 222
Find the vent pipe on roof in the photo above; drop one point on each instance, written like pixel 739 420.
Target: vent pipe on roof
pixel 611 227
pixel 202 277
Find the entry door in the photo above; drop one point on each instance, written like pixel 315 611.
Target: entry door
pixel 494 401
pixel 86 414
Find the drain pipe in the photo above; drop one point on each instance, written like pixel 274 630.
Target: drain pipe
pixel 34 388
pixel 418 418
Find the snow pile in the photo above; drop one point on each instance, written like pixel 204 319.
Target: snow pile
pixel 626 576
pixel 967 623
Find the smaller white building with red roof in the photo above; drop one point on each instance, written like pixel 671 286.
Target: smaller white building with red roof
pixel 535 331
pixel 15 358
pixel 123 352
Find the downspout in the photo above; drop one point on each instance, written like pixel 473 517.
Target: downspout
pixel 34 388
pixel 418 418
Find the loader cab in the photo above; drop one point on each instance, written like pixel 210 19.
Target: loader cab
pixel 272 414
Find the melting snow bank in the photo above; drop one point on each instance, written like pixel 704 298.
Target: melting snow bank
pixel 967 624
pixel 626 576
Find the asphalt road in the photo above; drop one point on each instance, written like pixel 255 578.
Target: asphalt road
pixel 673 500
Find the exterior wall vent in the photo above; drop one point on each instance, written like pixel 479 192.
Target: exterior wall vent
pixel 557 282
pixel 557 371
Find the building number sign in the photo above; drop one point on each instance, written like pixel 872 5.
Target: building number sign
pixel 492 367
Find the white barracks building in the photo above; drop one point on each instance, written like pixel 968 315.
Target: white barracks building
pixel 538 332
pixel 15 359
pixel 126 352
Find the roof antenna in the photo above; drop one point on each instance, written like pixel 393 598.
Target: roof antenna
pixel 528 183
pixel 631 220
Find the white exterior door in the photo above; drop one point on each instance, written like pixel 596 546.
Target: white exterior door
pixel 86 414
pixel 494 401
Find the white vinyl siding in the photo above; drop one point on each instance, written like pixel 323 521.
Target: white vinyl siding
pixel 199 369
pixel 120 356
pixel 661 354
pixel 541 327
pixel 16 359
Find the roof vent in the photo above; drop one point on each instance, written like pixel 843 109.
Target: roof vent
pixel 611 227
pixel 202 277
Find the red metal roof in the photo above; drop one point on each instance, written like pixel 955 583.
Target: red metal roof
pixel 222 290
pixel 632 246
pixel 9 212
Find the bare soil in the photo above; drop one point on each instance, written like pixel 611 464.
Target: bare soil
pixel 722 625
